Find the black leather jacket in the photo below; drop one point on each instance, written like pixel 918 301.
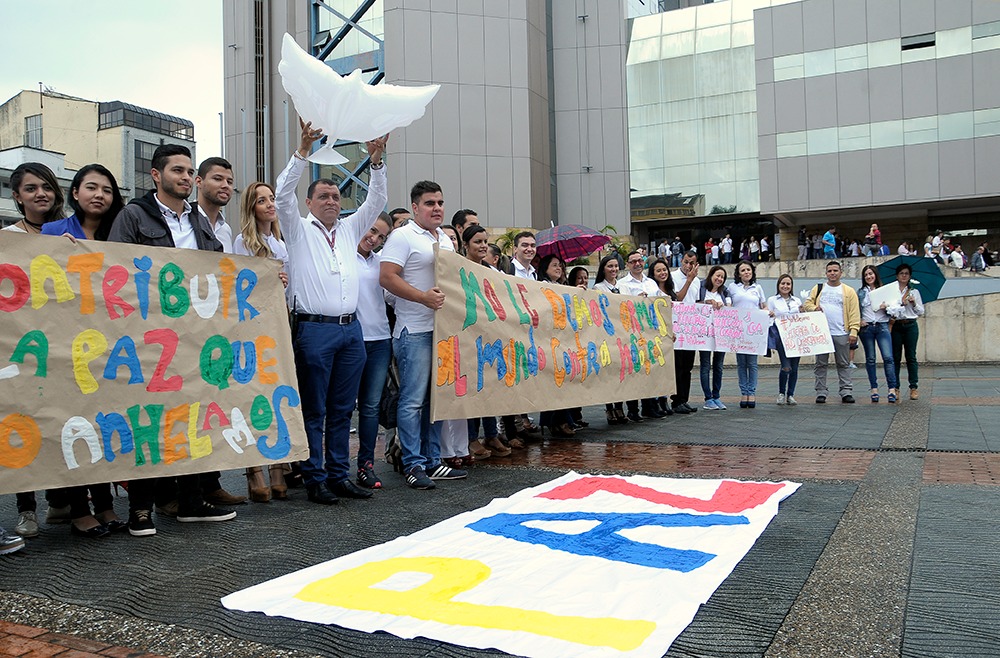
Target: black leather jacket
pixel 140 222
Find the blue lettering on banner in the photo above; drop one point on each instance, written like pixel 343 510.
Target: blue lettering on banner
pixel 604 541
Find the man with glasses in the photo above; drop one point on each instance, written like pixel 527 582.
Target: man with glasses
pixel 839 303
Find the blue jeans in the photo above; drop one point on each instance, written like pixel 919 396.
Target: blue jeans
pixel 489 424
pixel 870 335
pixel 419 438
pixel 675 260
pixel 746 370
pixel 329 360
pixel 711 361
pixel 370 396
pixel 789 374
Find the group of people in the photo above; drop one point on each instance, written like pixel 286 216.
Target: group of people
pixel 721 251
pixel 945 251
pixel 831 244
pixel 361 293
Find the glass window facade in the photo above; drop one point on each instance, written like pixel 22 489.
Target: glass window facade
pixel 33 131
pixel 117 113
pixel 143 164
pixel 692 101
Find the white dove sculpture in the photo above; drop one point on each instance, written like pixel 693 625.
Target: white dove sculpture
pixel 346 107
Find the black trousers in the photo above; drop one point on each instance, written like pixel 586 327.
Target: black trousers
pixel 683 363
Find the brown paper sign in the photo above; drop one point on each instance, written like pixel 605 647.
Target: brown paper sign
pixel 507 345
pixel 122 362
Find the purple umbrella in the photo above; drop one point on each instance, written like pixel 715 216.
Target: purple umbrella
pixel 569 241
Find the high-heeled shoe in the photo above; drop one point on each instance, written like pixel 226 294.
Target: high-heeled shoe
pixel 97 532
pixel 257 488
pixel 279 490
pixel 620 417
pixel 612 418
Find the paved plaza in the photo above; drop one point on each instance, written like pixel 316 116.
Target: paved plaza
pixel 888 548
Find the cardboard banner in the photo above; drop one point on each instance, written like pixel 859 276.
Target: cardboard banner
pixel 507 345
pixel 701 327
pixel 583 566
pixel 693 327
pixel 122 362
pixel 804 334
pixel 743 331
pixel 888 294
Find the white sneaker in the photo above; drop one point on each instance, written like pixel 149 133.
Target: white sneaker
pixel 790 401
pixel 781 398
pixel 27 524
pixel 9 543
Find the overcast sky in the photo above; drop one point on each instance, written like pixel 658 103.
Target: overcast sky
pixel 165 55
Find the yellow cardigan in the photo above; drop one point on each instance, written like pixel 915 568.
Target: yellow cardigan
pixel 852 308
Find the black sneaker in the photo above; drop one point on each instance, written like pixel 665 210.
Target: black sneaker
pixel 416 478
pixel 444 472
pixel 204 512
pixel 634 417
pixel 140 523
pixel 691 410
pixel 820 399
pixel 367 477
pixel 847 399
pixel 681 409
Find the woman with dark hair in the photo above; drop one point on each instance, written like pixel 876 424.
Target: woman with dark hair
pixel 713 292
pixel 659 274
pixel 452 233
pixel 747 294
pixel 96 202
pixel 579 277
pixel 476 241
pixel 784 303
pixel 905 332
pixel 477 249
pixel 875 330
pixel 552 269
pixel 37 197
pixel 607 281
pixel 559 421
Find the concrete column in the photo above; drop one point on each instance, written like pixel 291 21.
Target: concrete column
pixel 789 239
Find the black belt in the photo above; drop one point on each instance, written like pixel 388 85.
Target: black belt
pixel 905 321
pixel 329 319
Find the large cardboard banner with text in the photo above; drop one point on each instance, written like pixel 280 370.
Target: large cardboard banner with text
pixel 584 566
pixel 121 362
pixel 507 345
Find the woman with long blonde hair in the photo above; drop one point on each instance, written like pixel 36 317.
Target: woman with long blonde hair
pixel 260 236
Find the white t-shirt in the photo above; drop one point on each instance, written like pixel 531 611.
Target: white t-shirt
pixel 747 297
pixel 679 280
pixel 715 296
pixel 412 248
pixel 831 299
pixel 371 299
pixel 13 228
pixel 715 251
pixel 727 245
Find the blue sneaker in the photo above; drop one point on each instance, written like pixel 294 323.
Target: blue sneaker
pixel 710 405
pixel 719 405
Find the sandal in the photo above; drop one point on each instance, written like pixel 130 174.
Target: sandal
pixel 892 397
pixel 875 396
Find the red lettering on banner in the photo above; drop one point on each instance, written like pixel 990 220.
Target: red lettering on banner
pixel 731 497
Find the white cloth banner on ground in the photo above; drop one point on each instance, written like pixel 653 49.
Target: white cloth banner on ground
pixel 583 566
pixel 804 334
pixel 701 327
